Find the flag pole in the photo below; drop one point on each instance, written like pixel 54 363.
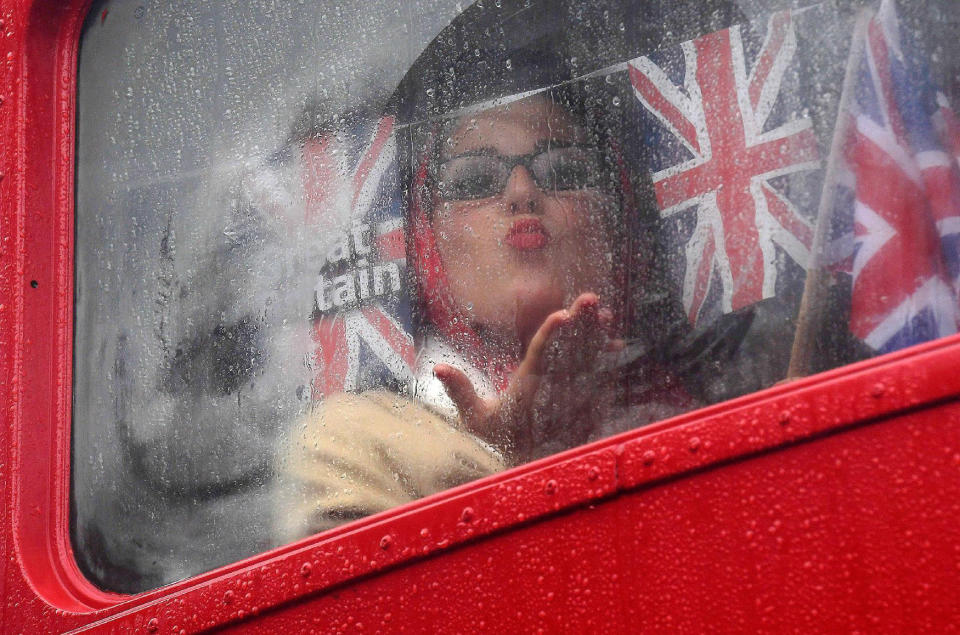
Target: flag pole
pixel 810 315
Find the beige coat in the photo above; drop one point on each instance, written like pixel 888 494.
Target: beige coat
pixel 359 454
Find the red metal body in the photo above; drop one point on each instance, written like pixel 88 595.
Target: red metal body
pixel 830 503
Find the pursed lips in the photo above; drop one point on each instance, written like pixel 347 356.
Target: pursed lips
pixel 527 234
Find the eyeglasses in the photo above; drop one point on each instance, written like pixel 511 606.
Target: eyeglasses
pixel 476 176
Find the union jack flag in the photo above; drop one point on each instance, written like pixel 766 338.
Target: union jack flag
pixel 906 194
pixel 728 162
pixel 350 187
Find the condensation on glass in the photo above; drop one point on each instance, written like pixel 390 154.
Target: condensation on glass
pixel 321 251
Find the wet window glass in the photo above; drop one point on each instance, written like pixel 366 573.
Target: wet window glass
pixel 330 260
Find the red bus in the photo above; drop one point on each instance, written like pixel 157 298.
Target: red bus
pixel 621 315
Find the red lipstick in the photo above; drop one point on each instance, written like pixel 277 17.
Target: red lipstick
pixel 527 234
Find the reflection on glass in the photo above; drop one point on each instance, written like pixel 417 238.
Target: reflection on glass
pixel 553 223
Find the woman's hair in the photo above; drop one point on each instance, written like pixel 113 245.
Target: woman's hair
pixel 515 47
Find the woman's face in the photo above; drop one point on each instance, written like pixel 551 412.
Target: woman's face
pixel 516 253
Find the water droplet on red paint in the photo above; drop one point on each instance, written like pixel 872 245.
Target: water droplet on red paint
pixel 694 444
pixel 784 418
pixel 306 570
pixel 649 457
pixel 467 514
pixel 550 488
pixel 593 474
pixel 153 625
pixel 385 542
pixel 228 597
pixel 878 390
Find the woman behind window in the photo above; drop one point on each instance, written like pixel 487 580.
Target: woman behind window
pixel 519 250
pixel 543 318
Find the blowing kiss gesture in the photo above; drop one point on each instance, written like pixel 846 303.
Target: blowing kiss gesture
pixel 555 394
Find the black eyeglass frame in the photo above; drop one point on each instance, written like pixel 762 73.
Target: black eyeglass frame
pixel 508 163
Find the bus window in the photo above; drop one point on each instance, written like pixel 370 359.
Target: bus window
pixel 332 260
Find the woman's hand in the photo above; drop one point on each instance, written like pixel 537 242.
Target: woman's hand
pixel 556 395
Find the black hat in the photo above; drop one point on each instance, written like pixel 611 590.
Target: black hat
pixel 497 48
